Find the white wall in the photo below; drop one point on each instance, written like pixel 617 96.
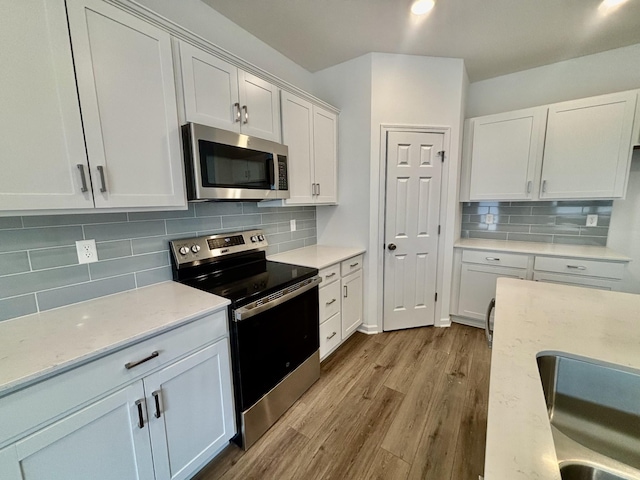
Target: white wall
pixel 423 91
pixel 203 20
pixel 624 232
pixel 606 72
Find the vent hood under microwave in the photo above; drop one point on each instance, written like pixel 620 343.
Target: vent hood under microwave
pixel 223 165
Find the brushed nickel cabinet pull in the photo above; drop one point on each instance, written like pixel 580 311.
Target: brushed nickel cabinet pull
pixel 529 186
pixel 103 183
pixel 139 404
pixel 156 398
pixel 346 292
pixel 577 267
pixel 333 300
pixel 83 178
pixel 236 106
pixel 331 275
pixel 492 259
pixel 130 365
pixel 354 264
pixel 332 335
pixel 544 186
pixel 246 114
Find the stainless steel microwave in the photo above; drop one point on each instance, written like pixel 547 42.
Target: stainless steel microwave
pixel 223 165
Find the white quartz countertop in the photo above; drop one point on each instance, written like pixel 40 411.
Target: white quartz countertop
pixel 550 249
pixel 535 317
pixel 36 346
pixel 317 256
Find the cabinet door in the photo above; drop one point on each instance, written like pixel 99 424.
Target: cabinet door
pixel 127 93
pixel 102 441
pixel 191 411
pixel 260 116
pixel 506 150
pixel 478 287
pixel 588 147
pixel 297 134
pixel 325 155
pixel 351 303
pixel 41 141
pixel 210 88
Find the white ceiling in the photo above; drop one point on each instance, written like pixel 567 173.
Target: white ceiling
pixel 494 37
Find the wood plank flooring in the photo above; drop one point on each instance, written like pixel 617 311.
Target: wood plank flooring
pixel 402 405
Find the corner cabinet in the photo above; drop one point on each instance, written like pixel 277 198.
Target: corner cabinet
pixel 341 303
pixel 164 423
pixel 572 150
pixel 79 80
pixel 311 133
pixel 218 94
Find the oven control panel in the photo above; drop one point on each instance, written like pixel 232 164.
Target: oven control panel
pixel 191 250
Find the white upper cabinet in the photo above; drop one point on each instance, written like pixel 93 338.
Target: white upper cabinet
pixel 588 147
pixel 42 144
pixel 310 132
pixel 506 149
pixel 127 94
pixel 220 95
pixel 572 150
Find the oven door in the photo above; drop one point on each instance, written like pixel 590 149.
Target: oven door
pixel 268 345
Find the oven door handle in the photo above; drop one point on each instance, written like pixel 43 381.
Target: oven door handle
pixel 250 310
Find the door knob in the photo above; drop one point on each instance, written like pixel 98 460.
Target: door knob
pixel 392 246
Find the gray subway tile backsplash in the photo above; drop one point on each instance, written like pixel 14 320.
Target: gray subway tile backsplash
pixel 547 222
pixel 38 261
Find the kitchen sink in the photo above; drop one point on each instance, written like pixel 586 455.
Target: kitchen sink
pixel 580 471
pixel 594 411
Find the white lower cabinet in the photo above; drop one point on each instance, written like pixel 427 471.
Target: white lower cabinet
pixel 340 298
pixel 165 425
pixel 479 270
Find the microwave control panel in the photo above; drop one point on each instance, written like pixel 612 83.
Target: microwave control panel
pixel 283 183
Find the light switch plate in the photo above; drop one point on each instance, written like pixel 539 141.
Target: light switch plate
pixel 293 225
pixel 592 220
pixel 87 252
pixel 488 219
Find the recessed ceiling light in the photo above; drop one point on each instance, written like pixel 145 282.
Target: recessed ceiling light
pixel 420 7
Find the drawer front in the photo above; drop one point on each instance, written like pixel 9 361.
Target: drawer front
pixel 25 409
pixel 499 259
pixel 577 281
pixel 578 266
pixel 329 274
pixel 329 299
pixel 351 265
pixel 330 335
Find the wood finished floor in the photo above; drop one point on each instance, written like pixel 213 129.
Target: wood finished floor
pixel 410 404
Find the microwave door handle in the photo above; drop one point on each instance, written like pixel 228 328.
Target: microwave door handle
pixel 271 172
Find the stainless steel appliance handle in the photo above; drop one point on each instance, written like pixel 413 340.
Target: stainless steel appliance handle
pixel 487 327
pixel 83 178
pixel 265 304
pixel 103 183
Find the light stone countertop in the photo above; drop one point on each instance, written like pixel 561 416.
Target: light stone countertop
pixel 536 248
pixel 317 256
pixel 34 347
pixel 535 317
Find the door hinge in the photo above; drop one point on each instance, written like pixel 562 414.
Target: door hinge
pixel 436 296
pixel 441 153
pixel 438 229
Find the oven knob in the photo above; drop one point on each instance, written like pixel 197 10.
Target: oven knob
pixel 183 250
pixel 195 248
pixel 261 238
pixel 254 238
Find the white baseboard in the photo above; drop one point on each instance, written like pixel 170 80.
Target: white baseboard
pixel 368 329
pixel 443 322
pixel 471 322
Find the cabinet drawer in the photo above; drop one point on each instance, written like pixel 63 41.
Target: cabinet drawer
pixel 329 299
pixel 25 409
pixel 578 266
pixel 329 274
pixel 351 265
pixel 330 335
pixel 500 259
pixel 577 281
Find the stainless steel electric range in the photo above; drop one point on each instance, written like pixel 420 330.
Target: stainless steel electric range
pixel 273 322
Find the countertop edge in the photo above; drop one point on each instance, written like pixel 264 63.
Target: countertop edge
pixel 337 254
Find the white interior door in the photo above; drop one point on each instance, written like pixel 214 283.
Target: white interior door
pixel 414 171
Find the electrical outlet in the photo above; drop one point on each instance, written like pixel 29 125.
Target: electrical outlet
pixel 87 252
pixel 488 219
pixel 293 225
pixel 592 220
